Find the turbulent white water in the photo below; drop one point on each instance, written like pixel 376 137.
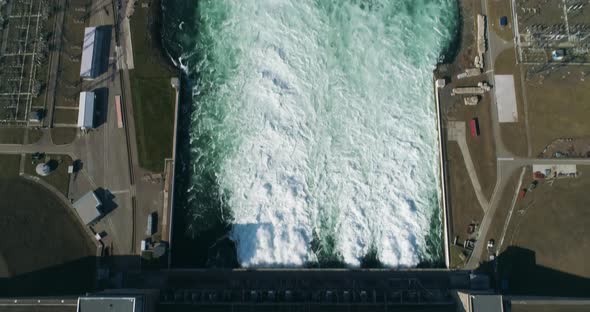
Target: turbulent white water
pixel 316 120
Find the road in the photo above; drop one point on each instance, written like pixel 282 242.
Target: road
pixel 502 173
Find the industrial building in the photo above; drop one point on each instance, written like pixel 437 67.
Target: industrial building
pixel 90 53
pixel 86 110
pixel 88 207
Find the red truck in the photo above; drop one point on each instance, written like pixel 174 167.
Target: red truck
pixel 474 127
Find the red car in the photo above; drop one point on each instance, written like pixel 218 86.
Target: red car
pixel 474 127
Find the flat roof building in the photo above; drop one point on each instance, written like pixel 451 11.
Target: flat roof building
pixel 486 303
pixel 89 55
pixel 87 207
pixel 86 110
pixel 94 52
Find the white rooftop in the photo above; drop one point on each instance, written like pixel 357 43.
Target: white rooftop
pixel 87 62
pixel 111 304
pixel 86 110
pixel 87 207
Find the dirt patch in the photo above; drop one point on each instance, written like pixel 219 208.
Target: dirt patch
pixel 464 205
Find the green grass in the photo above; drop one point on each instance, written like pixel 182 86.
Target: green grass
pixel 9 165
pixel 65 116
pixel 558 108
pixel 41 241
pixel 61 136
pixel 457 257
pixel 12 135
pixel 34 135
pixel 154 121
pixel 153 95
pixel 59 177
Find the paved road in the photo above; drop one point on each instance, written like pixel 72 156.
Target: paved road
pixel 502 173
pixel 32 148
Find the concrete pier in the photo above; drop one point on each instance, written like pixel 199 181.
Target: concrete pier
pixel 443 176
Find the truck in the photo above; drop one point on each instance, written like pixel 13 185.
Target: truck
pixel 151 224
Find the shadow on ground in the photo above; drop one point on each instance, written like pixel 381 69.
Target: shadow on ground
pixel 517 273
pixel 71 278
pixel 107 199
pixel 101 106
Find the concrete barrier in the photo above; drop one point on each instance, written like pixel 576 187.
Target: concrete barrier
pixel 172 177
pixel 443 176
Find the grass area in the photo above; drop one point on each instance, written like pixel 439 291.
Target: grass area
pixel 65 116
pixel 497 9
pixel 549 240
pixel 506 197
pixel 464 205
pixel 34 135
pixel 40 234
pixel 558 107
pixel 59 177
pixel 12 135
pixel 481 148
pixel 9 165
pixel 154 134
pixel 64 135
pixel 153 96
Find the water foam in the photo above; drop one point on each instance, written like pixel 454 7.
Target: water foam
pixel 319 125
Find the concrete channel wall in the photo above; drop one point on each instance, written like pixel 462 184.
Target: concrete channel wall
pixel 172 177
pixel 443 176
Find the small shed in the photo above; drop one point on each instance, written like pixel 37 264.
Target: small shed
pixel 88 207
pixel 86 110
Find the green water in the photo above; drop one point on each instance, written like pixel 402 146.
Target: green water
pixel 312 129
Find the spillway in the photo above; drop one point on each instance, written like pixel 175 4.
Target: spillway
pixel 312 127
